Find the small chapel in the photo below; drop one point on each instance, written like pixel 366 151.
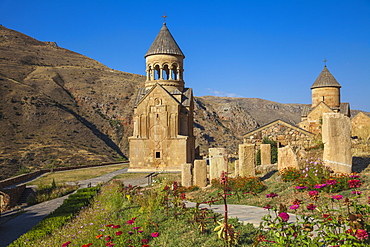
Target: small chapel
pixel 163 137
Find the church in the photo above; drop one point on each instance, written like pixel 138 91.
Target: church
pixel 163 137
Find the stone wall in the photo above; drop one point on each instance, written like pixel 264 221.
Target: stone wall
pixel 281 132
pixel 10 196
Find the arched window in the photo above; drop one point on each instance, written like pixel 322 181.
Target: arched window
pixel 174 72
pixel 166 72
pixel 157 72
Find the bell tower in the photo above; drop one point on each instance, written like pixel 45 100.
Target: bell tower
pixel 163 137
pixel 164 62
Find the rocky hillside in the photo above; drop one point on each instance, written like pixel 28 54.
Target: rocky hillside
pixel 60 108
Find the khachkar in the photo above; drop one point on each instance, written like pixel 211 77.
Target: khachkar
pixel 163 138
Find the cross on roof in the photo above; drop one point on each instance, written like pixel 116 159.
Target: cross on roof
pixel 325 61
pixel 164 17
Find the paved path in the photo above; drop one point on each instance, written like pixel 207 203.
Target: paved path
pixel 245 213
pixel 14 226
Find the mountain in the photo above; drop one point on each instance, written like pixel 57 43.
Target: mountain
pixel 60 108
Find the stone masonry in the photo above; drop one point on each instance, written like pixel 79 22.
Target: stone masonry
pixel 217 161
pixel 265 154
pixel 336 136
pixel 247 160
pixel 200 173
pixel 186 175
pixel 287 158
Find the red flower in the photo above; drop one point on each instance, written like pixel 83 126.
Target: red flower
pixel 311 206
pixel 87 245
pixel 145 245
pixel 118 233
pixel 354 183
pixel 145 241
pixel 66 244
pixel 108 238
pixel 110 225
pixel 116 226
pixel 130 222
pixel 183 196
pixel 99 236
pixel 327 217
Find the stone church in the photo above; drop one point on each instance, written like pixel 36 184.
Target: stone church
pixel 325 99
pixel 163 136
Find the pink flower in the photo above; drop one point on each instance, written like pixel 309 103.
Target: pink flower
pixel 354 176
pixel 284 216
pixel 361 234
pixel 136 228
pixel 319 186
pixel 301 187
pixel 267 206
pixel 155 234
pixel 356 192
pixel 331 182
pixel 337 197
pixel 311 206
pixel 295 206
pixel 130 232
pixel 271 195
pixel 130 222
pixel 313 193
pixel 183 196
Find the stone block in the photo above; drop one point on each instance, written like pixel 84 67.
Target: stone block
pixel 336 136
pixel 237 168
pixel 247 160
pixel 287 158
pixel 265 154
pixel 218 162
pixel 186 175
pixel 200 173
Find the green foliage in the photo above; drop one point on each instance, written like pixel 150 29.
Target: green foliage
pixel 290 174
pixel 59 217
pixel 274 149
pixel 258 157
pixel 241 184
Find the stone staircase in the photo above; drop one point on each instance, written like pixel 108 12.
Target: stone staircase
pixel 23 198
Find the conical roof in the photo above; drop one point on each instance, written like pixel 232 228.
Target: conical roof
pixel 164 43
pixel 325 79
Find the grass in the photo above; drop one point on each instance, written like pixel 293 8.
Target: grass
pixel 159 178
pixel 176 226
pixel 76 175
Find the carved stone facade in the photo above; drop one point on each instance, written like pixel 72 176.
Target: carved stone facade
pixel 163 138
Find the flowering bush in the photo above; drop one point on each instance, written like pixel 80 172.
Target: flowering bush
pixel 320 220
pixel 290 174
pixel 241 184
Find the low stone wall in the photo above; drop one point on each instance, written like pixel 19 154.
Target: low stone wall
pixel 11 196
pixel 24 177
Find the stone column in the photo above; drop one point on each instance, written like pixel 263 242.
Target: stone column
pixel 236 168
pixel 336 136
pixel 287 158
pixel 186 175
pixel 265 154
pixel 200 173
pixel 246 160
pixel 217 161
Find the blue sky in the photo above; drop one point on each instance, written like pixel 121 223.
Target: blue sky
pixel 265 49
